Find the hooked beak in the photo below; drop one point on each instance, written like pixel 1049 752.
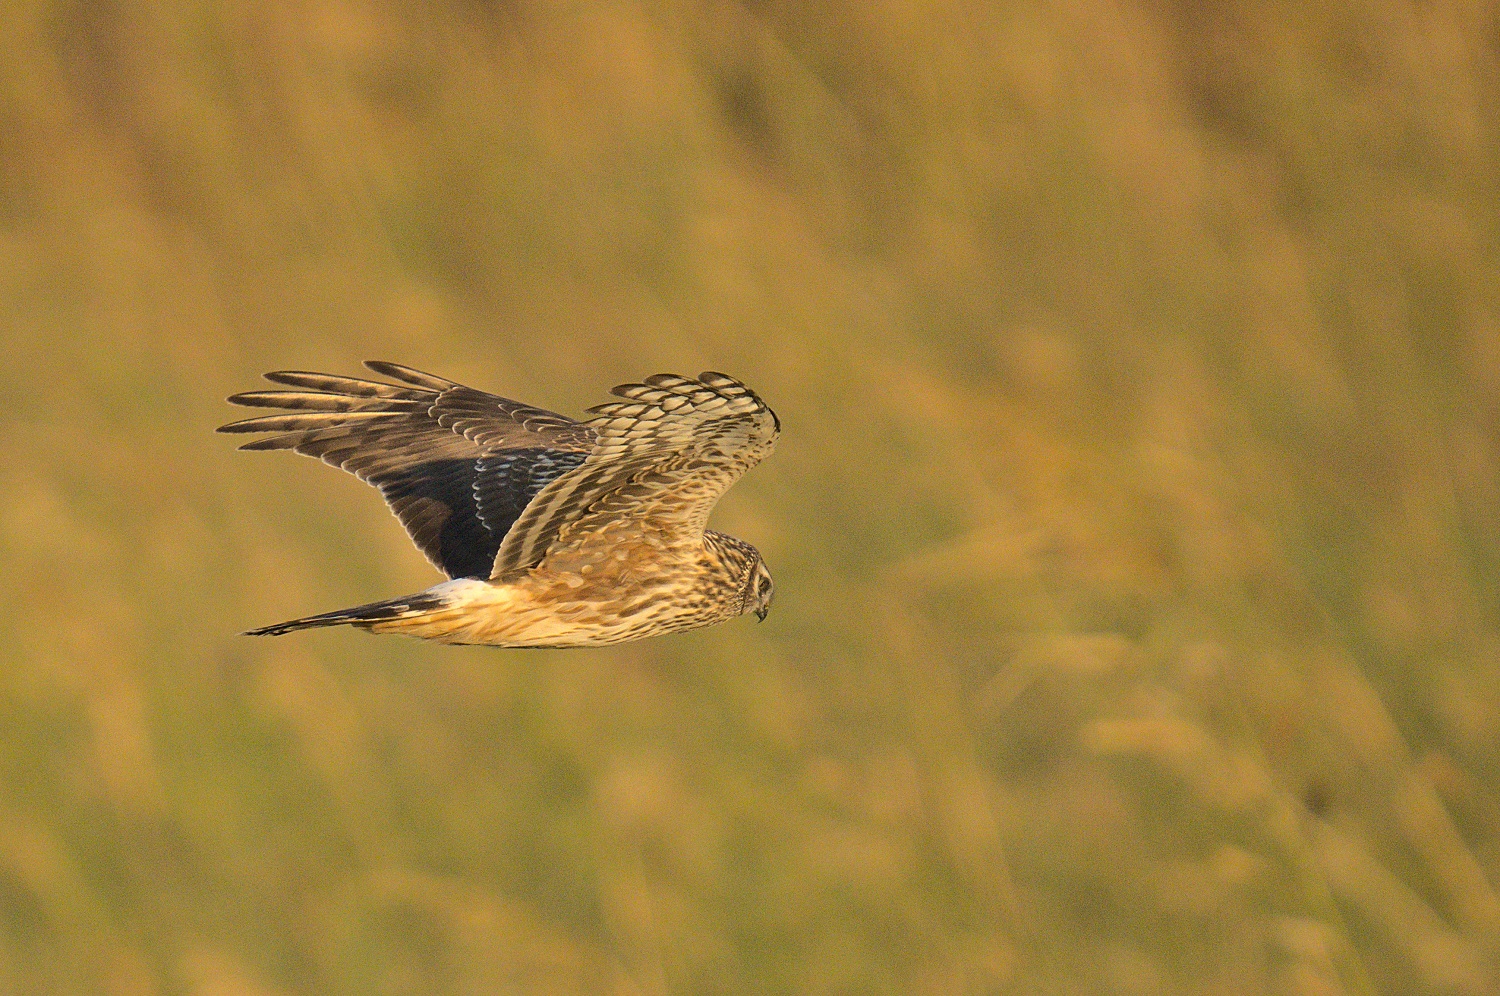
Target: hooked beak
pixel 760 614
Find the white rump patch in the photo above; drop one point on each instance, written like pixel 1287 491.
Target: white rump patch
pixel 462 591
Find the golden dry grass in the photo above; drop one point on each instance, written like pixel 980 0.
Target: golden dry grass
pixel 1136 525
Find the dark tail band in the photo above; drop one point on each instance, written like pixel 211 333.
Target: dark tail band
pixel 361 616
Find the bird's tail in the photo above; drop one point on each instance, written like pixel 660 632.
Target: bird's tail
pixel 361 616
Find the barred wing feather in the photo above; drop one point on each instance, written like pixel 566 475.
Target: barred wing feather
pixel 664 455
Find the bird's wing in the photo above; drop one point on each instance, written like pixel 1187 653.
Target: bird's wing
pixel 456 465
pixel 665 455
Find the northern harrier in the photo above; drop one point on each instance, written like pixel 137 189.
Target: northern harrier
pixel 554 533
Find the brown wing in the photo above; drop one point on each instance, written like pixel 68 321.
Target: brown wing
pixel 666 454
pixel 456 465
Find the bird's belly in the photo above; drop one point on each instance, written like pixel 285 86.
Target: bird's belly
pixel 535 613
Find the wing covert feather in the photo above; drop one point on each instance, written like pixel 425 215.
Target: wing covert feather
pixel 666 453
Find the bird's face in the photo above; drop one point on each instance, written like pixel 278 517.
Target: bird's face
pixel 760 592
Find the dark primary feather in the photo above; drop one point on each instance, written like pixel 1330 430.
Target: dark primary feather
pixel 456 465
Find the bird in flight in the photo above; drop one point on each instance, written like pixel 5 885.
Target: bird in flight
pixel 553 533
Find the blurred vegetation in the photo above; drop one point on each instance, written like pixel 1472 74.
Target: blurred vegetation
pixel 1136 524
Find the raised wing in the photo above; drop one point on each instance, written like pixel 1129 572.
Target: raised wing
pixel 456 465
pixel 666 454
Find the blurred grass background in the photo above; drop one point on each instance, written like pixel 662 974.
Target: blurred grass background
pixel 1136 524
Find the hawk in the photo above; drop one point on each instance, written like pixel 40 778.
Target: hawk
pixel 553 533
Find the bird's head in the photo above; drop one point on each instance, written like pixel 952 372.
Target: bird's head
pixel 742 566
pixel 759 591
